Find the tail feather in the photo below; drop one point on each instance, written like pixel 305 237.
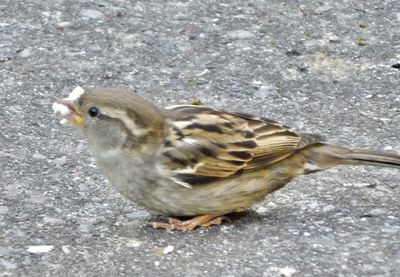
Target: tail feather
pixel 324 156
pixel 371 158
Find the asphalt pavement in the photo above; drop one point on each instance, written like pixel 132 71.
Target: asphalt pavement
pixel 324 67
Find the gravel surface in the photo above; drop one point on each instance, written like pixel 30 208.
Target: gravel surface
pixel 326 67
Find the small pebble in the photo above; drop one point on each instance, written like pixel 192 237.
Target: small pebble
pixel 53 220
pixel 285 271
pixel 60 161
pixel 377 212
pixel 357 185
pixel 83 187
pixel 3 209
pixel 39 156
pixel 388 148
pixel 265 91
pixel 92 14
pixel 385 120
pixel 133 243
pixel 261 209
pixel 168 249
pixel 25 53
pixel 85 227
pixel 137 214
pixel 37 249
pixel 313 204
pixel 63 25
pixel 240 34
pixel 7 265
pixel 65 249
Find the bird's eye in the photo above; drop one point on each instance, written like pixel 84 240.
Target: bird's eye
pixel 93 111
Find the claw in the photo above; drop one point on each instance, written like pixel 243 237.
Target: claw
pixel 186 225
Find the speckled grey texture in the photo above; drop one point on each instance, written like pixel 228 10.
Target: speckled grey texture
pixel 327 67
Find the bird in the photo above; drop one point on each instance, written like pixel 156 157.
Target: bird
pixel 193 161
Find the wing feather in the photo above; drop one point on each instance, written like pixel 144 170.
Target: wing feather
pixel 206 144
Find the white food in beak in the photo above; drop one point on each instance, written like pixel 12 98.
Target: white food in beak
pixel 75 94
pixel 62 109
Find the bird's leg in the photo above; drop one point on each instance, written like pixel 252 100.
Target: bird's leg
pixel 186 225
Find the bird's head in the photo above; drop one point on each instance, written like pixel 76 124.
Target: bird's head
pixel 112 118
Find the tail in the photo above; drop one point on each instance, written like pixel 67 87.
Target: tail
pixel 322 156
pixel 372 158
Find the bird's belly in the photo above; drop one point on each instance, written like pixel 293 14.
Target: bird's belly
pixel 236 194
pixel 156 191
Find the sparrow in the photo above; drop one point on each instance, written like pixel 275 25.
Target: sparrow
pixel 196 161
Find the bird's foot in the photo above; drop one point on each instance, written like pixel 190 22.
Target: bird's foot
pixel 186 225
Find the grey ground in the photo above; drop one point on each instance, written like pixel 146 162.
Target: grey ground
pixel 327 67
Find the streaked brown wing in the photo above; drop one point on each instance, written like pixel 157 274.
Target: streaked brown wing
pixel 207 144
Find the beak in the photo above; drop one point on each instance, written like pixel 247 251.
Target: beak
pixel 68 111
